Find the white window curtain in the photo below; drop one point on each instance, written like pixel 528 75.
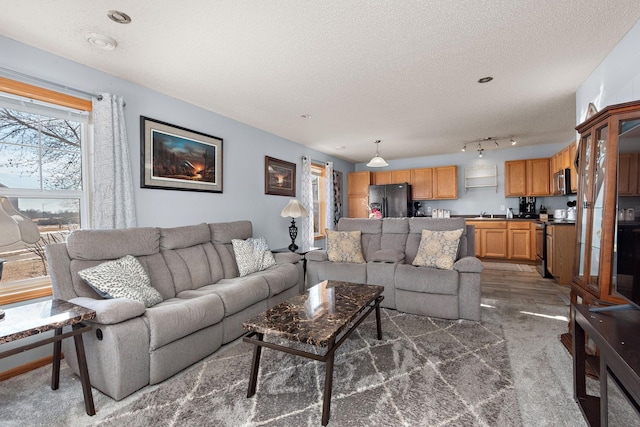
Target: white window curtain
pixel 113 202
pixel 328 195
pixel 306 198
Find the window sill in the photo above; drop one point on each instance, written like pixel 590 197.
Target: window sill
pixel 24 290
pixel 319 237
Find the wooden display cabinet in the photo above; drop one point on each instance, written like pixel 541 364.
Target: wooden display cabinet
pixel 601 138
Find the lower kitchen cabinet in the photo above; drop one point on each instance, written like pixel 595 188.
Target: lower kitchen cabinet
pixel 561 251
pixel 521 242
pixel 512 240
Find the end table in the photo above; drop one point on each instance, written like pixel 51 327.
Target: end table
pixel 303 253
pixel 33 319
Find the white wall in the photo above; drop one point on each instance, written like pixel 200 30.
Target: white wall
pixel 243 151
pixel 616 79
pixel 487 199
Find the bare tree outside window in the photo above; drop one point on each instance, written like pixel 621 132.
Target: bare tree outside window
pixel 42 156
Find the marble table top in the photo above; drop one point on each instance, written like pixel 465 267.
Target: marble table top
pixel 32 319
pixel 317 316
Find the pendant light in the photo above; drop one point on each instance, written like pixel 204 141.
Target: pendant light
pixel 377 161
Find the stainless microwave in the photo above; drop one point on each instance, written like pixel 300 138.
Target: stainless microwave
pixel 562 182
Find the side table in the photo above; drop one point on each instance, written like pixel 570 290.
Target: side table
pixel 32 319
pixel 303 253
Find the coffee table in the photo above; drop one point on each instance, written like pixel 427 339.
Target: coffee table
pixel 324 317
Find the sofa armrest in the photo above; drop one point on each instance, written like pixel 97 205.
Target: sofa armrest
pixel 317 256
pixel 388 255
pixel 468 264
pixel 286 257
pixel 111 311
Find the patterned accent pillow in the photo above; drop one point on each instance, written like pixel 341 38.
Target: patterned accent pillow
pixel 252 255
pixel 438 249
pixel 344 246
pixel 122 278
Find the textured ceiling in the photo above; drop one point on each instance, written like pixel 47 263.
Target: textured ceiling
pixel 404 72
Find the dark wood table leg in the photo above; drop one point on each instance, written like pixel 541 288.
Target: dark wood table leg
pixel 378 321
pixel 579 357
pixel 57 351
pixel 253 379
pixel 328 384
pixel 84 372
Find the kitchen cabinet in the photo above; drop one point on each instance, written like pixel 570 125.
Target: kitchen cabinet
pixel 628 174
pixel 538 183
pixel 358 194
pixel 574 171
pixel 422 184
pixel 560 251
pixel 515 178
pixel 521 240
pixel 509 240
pixel 530 177
pixel 611 131
pixel 445 182
pixel 391 177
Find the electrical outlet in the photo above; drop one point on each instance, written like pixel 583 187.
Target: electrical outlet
pixel 502 208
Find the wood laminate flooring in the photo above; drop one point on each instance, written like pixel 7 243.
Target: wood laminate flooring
pixel 522 287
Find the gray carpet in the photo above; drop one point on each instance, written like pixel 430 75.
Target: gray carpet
pixel 425 372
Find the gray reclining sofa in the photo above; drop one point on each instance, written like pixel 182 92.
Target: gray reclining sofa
pixel 389 246
pixel 204 299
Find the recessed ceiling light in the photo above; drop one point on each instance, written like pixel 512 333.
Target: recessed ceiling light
pixel 485 80
pixel 119 17
pixel 306 116
pixel 101 41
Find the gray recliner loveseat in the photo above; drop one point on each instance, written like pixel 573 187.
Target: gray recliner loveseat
pixel 204 299
pixel 389 247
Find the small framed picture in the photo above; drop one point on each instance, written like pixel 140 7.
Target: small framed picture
pixel 176 158
pixel 279 177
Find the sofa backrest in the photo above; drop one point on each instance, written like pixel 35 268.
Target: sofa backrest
pixel 190 256
pixel 416 225
pixel 404 234
pixel 88 248
pixel 221 235
pixel 371 229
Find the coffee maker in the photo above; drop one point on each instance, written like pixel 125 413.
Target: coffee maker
pixel 527 205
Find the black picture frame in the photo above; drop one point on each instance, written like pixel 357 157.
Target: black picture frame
pixel 279 177
pixel 176 158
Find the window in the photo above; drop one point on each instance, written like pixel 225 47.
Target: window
pixel 319 202
pixel 42 172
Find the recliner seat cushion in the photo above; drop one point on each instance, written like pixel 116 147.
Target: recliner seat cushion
pixel 179 317
pixel 427 280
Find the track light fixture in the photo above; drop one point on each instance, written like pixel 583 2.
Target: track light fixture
pixel 464 147
pixel 513 141
pixel 488 139
pixel 497 145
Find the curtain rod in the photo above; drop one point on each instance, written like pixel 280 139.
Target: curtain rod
pixel 58 85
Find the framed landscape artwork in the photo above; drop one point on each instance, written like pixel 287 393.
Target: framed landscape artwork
pixel 176 158
pixel 279 177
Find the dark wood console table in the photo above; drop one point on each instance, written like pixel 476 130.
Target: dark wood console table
pixel 616 335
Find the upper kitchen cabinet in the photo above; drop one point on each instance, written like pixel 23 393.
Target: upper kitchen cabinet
pixel 445 182
pixel 607 143
pixel 358 194
pixel 422 184
pixel 527 177
pixel 381 178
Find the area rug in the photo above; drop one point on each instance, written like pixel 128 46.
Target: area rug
pixel 426 372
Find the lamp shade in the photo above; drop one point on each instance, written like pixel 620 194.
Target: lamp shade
pixel 377 162
pixel 294 209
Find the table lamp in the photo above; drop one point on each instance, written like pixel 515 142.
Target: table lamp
pixel 294 209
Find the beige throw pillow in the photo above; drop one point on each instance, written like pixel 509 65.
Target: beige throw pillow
pixel 344 246
pixel 438 249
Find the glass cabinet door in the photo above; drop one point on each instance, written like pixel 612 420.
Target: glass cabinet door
pixel 582 203
pixel 596 205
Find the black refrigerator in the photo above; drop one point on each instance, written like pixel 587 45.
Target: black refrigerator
pixel 393 200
